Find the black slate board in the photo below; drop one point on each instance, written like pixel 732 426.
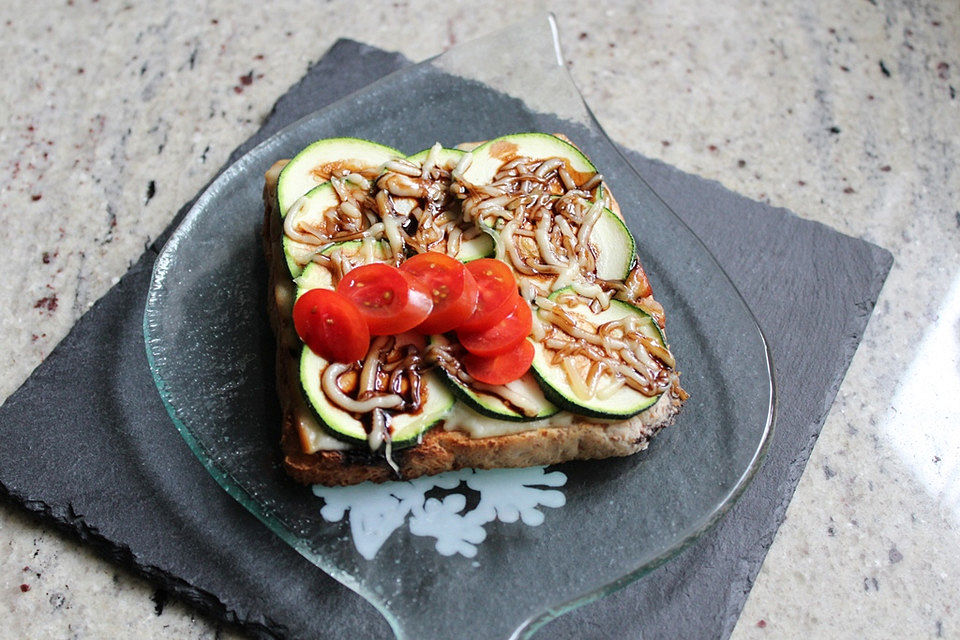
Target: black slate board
pixel 86 444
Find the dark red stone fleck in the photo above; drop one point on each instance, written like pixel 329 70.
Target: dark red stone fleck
pixel 24 588
pixel 849 190
pixel 48 303
pixel 801 183
pixel 238 89
pixel 259 56
pixel 885 168
pixel 762 624
pixel 665 143
pixel 36 196
pixel 247 79
pixel 583 35
pixel 712 147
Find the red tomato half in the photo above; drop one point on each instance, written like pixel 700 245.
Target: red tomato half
pixel 452 288
pixel 331 325
pixel 504 336
pixel 388 299
pixel 503 368
pixel 498 288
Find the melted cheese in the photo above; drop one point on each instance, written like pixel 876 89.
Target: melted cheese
pixel 570 273
pixel 313 436
pixel 463 418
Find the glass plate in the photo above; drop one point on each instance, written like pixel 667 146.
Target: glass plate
pixel 211 353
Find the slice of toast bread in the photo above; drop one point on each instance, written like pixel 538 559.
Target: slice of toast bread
pixel 444 447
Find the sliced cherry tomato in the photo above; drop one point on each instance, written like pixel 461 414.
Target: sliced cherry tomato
pixel 504 336
pixel 331 325
pixel 388 299
pixel 500 369
pixel 452 288
pixel 498 288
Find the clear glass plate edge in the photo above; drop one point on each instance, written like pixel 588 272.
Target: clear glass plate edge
pixel 224 479
pixel 532 624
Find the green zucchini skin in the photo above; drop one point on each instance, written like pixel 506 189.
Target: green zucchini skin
pixel 537 146
pixel 578 409
pixel 342 426
pixel 315 276
pixel 315 202
pixel 616 248
pixel 472 399
pixel 296 179
pixel 552 380
pixel 611 234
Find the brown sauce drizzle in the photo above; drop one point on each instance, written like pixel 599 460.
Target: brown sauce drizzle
pixel 398 371
pixel 323 172
pixel 529 197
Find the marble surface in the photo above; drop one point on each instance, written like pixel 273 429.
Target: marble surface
pixel 115 113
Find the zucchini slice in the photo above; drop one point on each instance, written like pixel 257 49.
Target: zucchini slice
pixel 312 208
pixel 490 405
pixel 314 164
pixel 612 242
pixel 406 428
pixel 483 245
pixel 490 156
pixel 616 249
pixel 610 402
pixel 316 276
pixel 446 158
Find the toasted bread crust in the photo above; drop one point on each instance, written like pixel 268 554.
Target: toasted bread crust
pixel 443 448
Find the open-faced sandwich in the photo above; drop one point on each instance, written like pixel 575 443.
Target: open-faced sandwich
pixel 452 309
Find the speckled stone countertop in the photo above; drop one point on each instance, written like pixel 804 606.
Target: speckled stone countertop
pixel 115 113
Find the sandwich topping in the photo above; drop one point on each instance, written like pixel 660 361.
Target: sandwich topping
pixel 500 279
